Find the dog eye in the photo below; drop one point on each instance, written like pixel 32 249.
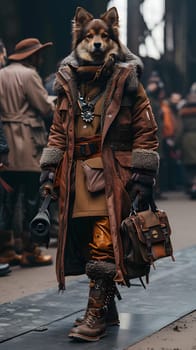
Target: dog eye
pixel 89 36
pixel 104 35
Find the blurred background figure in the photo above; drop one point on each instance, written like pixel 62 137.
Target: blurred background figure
pixel 3 148
pixel 4 268
pixel 3 54
pixel 53 208
pixel 188 140
pixel 176 102
pixel 24 103
pixel 155 92
pixel 169 130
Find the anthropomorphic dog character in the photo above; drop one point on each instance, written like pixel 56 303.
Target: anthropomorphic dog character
pixel 102 148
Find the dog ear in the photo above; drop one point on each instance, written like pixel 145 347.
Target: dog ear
pixel 82 17
pixel 111 17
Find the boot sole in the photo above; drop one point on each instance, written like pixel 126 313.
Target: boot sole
pixel 36 264
pixel 85 338
pixel 108 324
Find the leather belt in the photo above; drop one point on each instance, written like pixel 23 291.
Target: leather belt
pixel 87 148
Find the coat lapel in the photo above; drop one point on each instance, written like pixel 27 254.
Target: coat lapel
pixel 113 98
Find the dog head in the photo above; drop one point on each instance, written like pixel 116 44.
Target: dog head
pixel 94 39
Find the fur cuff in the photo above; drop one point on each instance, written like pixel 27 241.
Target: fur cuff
pixel 145 159
pixel 50 156
pixel 96 269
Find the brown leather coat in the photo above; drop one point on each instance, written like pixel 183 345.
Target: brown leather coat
pixel 128 124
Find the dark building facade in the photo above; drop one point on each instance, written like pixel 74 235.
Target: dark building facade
pixel 177 65
pixel 47 19
pixel 180 43
pixel 51 21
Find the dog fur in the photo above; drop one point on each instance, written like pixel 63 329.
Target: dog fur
pixel 95 39
pixel 88 31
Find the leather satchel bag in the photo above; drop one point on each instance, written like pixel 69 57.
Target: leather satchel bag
pixel 145 239
pixel 93 171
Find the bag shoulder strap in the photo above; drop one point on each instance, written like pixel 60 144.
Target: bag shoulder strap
pixel 134 207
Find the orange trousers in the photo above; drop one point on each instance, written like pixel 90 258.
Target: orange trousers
pixel 101 247
pixel 91 238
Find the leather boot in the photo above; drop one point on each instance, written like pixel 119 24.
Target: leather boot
pixel 35 258
pixel 111 317
pixel 32 255
pixel 94 325
pixel 7 249
pixel 4 270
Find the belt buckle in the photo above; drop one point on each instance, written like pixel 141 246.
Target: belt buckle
pixel 93 148
pixel 83 150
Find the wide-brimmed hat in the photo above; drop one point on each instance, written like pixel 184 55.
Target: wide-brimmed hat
pixel 26 48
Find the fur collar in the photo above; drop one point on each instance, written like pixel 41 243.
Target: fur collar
pixel 130 60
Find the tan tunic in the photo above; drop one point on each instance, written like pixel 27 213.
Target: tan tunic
pixel 87 203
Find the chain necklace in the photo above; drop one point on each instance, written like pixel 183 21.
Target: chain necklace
pixel 87 108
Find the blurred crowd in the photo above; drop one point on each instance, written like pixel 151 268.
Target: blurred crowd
pixel 176 119
pixel 26 108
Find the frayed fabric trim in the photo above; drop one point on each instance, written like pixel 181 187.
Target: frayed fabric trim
pixel 50 156
pixel 100 269
pixel 145 159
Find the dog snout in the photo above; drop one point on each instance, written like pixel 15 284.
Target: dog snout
pixel 97 45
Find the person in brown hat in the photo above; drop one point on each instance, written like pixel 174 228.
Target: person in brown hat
pixel 27 48
pixel 24 104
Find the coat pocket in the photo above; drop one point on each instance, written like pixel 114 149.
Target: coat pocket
pixel 93 171
pixel 123 166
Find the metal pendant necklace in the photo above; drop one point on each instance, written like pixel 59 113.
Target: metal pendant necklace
pixel 87 108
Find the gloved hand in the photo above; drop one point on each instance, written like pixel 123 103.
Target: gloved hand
pixel 143 194
pixel 47 184
pixel 141 188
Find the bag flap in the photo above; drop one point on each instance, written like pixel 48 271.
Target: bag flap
pixel 164 221
pixel 123 159
pixel 94 163
pixel 149 225
pixel 148 218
